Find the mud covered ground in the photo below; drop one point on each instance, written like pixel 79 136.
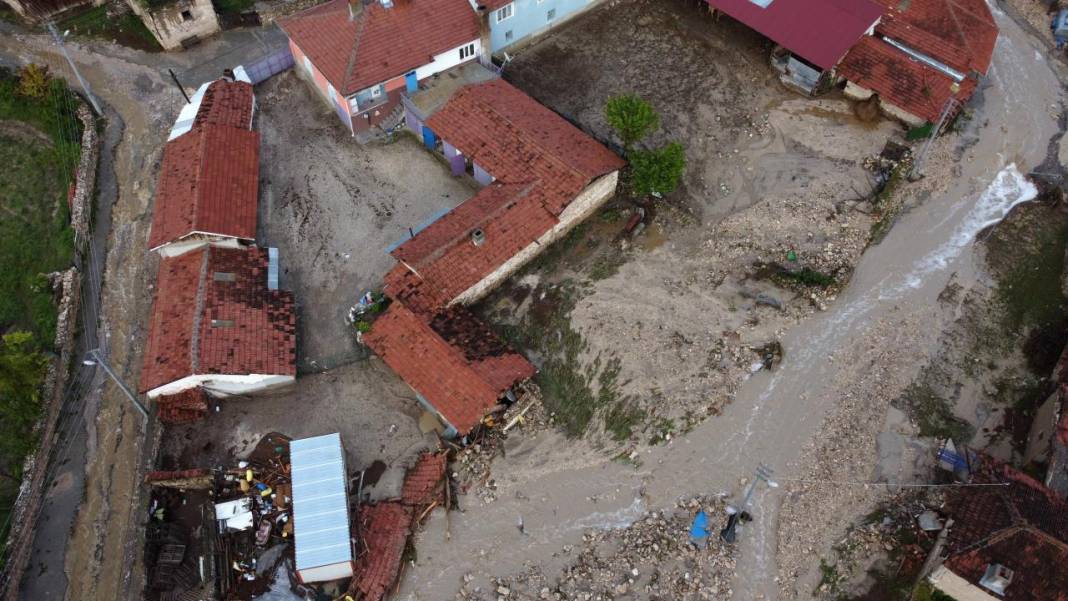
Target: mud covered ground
pixel 638 340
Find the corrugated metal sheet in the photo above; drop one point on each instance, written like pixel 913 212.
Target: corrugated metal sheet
pixel 820 31
pixel 320 502
pixel 272 268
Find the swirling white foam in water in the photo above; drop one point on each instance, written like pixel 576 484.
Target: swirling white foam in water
pixel 1008 189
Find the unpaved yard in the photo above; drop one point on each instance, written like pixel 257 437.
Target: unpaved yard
pixel 333 207
pixel 645 338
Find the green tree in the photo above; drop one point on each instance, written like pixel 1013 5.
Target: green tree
pixel 632 118
pixel 33 81
pixel 22 370
pixel 657 171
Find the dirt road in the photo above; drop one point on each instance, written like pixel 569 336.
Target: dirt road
pixel 874 337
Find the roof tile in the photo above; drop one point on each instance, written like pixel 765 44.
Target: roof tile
pixel 384 529
pixel 380 43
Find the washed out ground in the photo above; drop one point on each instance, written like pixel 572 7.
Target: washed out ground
pixel 641 339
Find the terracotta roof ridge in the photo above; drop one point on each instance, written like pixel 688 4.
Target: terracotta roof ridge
pixel 531 139
pixel 969 51
pixel 523 193
pixel 198 315
pixel 344 88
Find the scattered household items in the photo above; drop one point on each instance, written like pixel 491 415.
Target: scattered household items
pixel 321 509
pixel 234 515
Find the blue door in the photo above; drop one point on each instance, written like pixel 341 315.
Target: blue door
pixel 429 139
pixel 411 84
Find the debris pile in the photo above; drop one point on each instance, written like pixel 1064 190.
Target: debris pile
pixel 185 407
pixel 650 559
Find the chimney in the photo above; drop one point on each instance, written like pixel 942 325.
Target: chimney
pixel 486 56
pixel 997 578
pixel 228 74
pixel 478 237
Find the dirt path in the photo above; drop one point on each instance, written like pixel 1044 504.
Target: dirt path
pixel 876 334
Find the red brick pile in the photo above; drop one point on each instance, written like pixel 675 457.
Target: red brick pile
pixel 383 530
pixel 424 484
pixel 185 407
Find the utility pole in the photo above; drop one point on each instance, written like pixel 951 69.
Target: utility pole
pixel 948 109
pixel 96 359
pixel 174 76
pixel 85 86
pixel 729 534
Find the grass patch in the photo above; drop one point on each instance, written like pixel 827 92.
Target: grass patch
pixel 607 265
pixel 1030 289
pixel 127 29
pixel 807 277
pixel 35 233
pixel 568 388
pixel 933 415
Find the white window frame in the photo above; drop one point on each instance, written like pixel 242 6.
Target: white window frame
pixel 508 10
pixel 467 51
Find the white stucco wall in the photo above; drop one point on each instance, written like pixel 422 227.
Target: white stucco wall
pixel 957 587
pixel 448 60
pixel 170 27
pixel 595 195
pixel 224 384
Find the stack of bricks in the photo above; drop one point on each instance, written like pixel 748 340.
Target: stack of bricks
pixel 185 407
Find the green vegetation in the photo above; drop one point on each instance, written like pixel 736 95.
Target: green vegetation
pixel 807 277
pixel 887 210
pixel 127 29
pixel 632 117
pixel 1031 288
pixel 573 393
pixel 657 171
pixel 39 148
pixel 654 171
pixel 934 415
pixel 22 369
pixel 233 7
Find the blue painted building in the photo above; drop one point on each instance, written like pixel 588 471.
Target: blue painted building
pixel 514 21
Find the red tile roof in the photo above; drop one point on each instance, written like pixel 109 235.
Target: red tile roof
pixel 900 80
pixel 462 382
pixel 208 183
pixel 1023 526
pixel 227 103
pixel 959 33
pixel 213 314
pixel 540 162
pixel 380 43
pixel 424 483
pixel 820 31
pixel 384 529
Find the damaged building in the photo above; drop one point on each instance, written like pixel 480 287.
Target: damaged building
pixel 177 24
pixel 916 59
pixel 541 176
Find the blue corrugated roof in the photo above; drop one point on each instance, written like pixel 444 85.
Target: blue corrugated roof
pixel 320 501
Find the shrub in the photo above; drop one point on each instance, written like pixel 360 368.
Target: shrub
pixel 631 117
pixel 33 81
pixel 657 171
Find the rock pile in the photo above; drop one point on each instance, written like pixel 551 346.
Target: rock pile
pixel 652 559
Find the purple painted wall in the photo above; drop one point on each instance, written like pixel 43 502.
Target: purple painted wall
pixel 482 177
pixel 456 159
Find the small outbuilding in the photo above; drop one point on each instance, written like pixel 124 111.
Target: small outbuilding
pixel 321 529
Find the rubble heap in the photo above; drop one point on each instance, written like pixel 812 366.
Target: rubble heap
pixel 652 559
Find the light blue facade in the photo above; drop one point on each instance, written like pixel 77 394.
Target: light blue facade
pixel 525 18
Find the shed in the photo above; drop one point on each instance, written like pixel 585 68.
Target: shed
pixel 321 529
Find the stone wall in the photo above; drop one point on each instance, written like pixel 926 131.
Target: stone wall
pixel 181 21
pixel 68 287
pixel 283 8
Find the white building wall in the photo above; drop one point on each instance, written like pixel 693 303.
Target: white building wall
pixel 957 587
pixel 224 384
pixel 448 60
pixel 595 195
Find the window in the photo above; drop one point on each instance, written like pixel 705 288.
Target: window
pixel 508 36
pixel 467 51
pixel 187 15
pixel 549 16
pixel 505 12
